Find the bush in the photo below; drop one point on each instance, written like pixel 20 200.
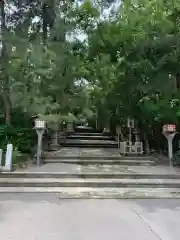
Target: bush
pixel 17 156
pixel 22 138
pixel 176 159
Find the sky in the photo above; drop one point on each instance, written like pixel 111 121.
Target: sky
pixel 106 12
pixel 80 35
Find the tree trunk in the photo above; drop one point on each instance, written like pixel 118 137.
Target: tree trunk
pixel 48 17
pixel 122 135
pixel 4 62
pixel 7 107
pixel 146 143
pixel 178 81
pixel 45 25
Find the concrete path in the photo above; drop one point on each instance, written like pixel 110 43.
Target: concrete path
pixel 107 168
pixel 45 217
pixel 53 167
pixel 85 152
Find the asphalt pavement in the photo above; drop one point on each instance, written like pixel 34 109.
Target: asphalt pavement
pixel 46 217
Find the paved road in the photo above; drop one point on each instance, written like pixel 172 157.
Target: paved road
pixel 45 217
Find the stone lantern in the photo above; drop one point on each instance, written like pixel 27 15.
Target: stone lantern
pixel 40 126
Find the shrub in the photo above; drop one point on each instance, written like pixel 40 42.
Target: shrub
pixel 17 156
pixel 22 138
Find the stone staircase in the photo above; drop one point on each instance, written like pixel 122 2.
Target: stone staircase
pixel 77 173
pixel 102 160
pixel 90 140
pixel 93 184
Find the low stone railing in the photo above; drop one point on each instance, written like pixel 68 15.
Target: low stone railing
pixel 131 148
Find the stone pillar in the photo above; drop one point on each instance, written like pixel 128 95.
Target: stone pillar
pixel 9 156
pixel 1 155
pixel 55 137
pixel 137 138
pixel 55 143
pixel 107 126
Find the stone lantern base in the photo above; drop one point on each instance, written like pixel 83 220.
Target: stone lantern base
pixel 55 141
pixel 70 127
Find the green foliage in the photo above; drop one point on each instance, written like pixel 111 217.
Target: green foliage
pixel 127 65
pixel 17 156
pixel 134 59
pixel 23 139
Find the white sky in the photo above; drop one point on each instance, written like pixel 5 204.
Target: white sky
pixel 79 34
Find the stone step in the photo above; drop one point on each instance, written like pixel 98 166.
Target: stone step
pixel 102 161
pixel 90 137
pixel 89 142
pixel 84 156
pixel 89 153
pixel 88 134
pixel 87 130
pixel 85 175
pixel 98 193
pixel 89 145
pixel 93 183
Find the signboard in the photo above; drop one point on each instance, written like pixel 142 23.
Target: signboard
pixel 169 128
pixel 130 123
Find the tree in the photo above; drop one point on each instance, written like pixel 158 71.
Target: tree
pixel 4 62
pixel 138 79
pixel 38 68
pixel 127 65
